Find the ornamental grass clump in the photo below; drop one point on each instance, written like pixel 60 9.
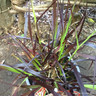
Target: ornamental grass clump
pixel 51 64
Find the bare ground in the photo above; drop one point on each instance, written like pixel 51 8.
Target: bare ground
pixel 7 78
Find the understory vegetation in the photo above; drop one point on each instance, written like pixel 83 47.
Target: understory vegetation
pixel 52 63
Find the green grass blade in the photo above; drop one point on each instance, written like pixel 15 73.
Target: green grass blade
pixel 33 12
pixel 62 49
pixel 23 81
pixel 77 40
pixel 36 27
pixel 73 54
pixel 90 86
pixel 8 68
pixel 63 36
pixel 5 67
pixel 35 64
pixel 15 90
pixel 62 45
pixel 56 85
pixel 88 38
pixel 17 58
pixel 31 86
pixel 82 44
pixel 56 28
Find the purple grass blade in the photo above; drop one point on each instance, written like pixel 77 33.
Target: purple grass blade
pixel 22 65
pixel 34 47
pixel 82 23
pixel 65 91
pixel 54 14
pixel 94 72
pixel 29 26
pixel 83 90
pixel 87 78
pixel 90 45
pixel 26 24
pixel 64 76
pixel 48 56
pixel 87 56
pixel 34 58
pixel 61 15
pixel 58 31
pixel 46 10
pixel 20 37
pixel 33 72
pixel 19 43
pixel 90 65
pixel 92 38
pixel 80 60
pixel 45 85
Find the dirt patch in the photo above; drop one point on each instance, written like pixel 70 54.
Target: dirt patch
pixel 6 77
